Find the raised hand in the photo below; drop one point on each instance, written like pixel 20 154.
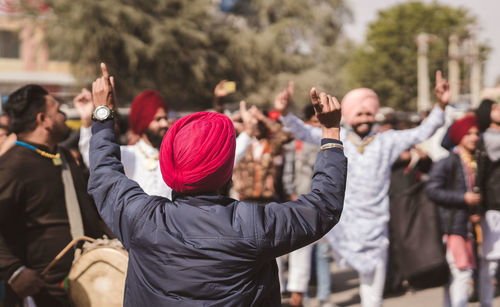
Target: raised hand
pixel 219 90
pixel 103 89
pixel 247 117
pixel 284 98
pixel 84 106
pixel 327 109
pixel 442 90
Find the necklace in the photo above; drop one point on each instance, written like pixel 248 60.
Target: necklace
pixel 56 159
pixel 151 162
pixel 361 146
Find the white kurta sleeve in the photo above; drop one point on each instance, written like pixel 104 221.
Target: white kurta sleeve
pixel 301 130
pixel 84 144
pixel 243 142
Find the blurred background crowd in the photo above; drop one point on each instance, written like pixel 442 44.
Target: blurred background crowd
pixel 183 49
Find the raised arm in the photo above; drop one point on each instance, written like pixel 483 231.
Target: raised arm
pixel 284 227
pixel 292 123
pixel 402 140
pixel 118 199
pixel 244 139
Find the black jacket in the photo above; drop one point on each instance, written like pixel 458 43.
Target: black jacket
pixel 34 225
pixel 446 187
pixel 208 250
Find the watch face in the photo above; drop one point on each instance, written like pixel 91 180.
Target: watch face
pixel 102 113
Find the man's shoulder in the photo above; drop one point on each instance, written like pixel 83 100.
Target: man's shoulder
pixel 129 148
pixel 13 164
pixel 447 162
pixel 13 157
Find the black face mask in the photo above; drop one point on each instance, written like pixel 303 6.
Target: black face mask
pixel 156 138
pixel 355 128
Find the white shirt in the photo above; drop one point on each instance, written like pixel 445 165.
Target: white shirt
pixel 361 236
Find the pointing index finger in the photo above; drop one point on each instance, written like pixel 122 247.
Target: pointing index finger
pixel 104 70
pixel 439 77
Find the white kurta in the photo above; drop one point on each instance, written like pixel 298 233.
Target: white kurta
pixel 361 236
pixel 135 162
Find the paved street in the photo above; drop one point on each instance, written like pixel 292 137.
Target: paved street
pixel 345 285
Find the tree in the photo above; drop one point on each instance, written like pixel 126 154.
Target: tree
pixel 387 62
pixel 167 45
pixel 182 48
pixel 282 41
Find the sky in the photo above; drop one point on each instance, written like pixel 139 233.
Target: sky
pixel 486 11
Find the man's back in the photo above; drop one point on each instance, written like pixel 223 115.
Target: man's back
pixel 201 249
pixel 208 250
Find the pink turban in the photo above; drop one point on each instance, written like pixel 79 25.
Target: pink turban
pixel 197 153
pixel 356 100
pixel 461 127
pixel 143 110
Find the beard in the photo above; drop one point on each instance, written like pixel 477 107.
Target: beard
pixel 60 133
pixel 156 137
pixel 363 132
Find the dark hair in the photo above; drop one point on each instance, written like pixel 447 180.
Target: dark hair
pixel 483 114
pixel 23 105
pixel 308 111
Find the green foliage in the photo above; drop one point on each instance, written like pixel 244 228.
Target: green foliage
pixel 282 42
pixel 164 45
pixel 387 63
pixel 182 48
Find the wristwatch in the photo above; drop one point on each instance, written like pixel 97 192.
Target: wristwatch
pixel 102 114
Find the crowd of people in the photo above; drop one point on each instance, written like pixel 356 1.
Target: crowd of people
pixel 205 203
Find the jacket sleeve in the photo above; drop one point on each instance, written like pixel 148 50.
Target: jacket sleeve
pixel 282 228
pixel 9 263
pixel 10 192
pixel 119 200
pixel 438 183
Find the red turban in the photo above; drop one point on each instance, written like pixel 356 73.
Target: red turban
pixel 356 100
pixel 274 114
pixel 143 110
pixel 460 128
pixel 197 153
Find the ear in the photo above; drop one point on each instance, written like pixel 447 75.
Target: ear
pixel 40 119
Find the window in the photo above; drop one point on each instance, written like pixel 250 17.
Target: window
pixel 9 44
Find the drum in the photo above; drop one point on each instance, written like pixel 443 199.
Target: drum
pixel 97 276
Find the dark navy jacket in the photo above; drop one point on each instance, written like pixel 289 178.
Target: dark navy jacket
pixel 208 250
pixel 446 187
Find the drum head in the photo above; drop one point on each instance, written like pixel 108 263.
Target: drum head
pixel 97 277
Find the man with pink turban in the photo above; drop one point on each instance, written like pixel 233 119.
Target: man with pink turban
pixel 202 248
pixel 360 240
